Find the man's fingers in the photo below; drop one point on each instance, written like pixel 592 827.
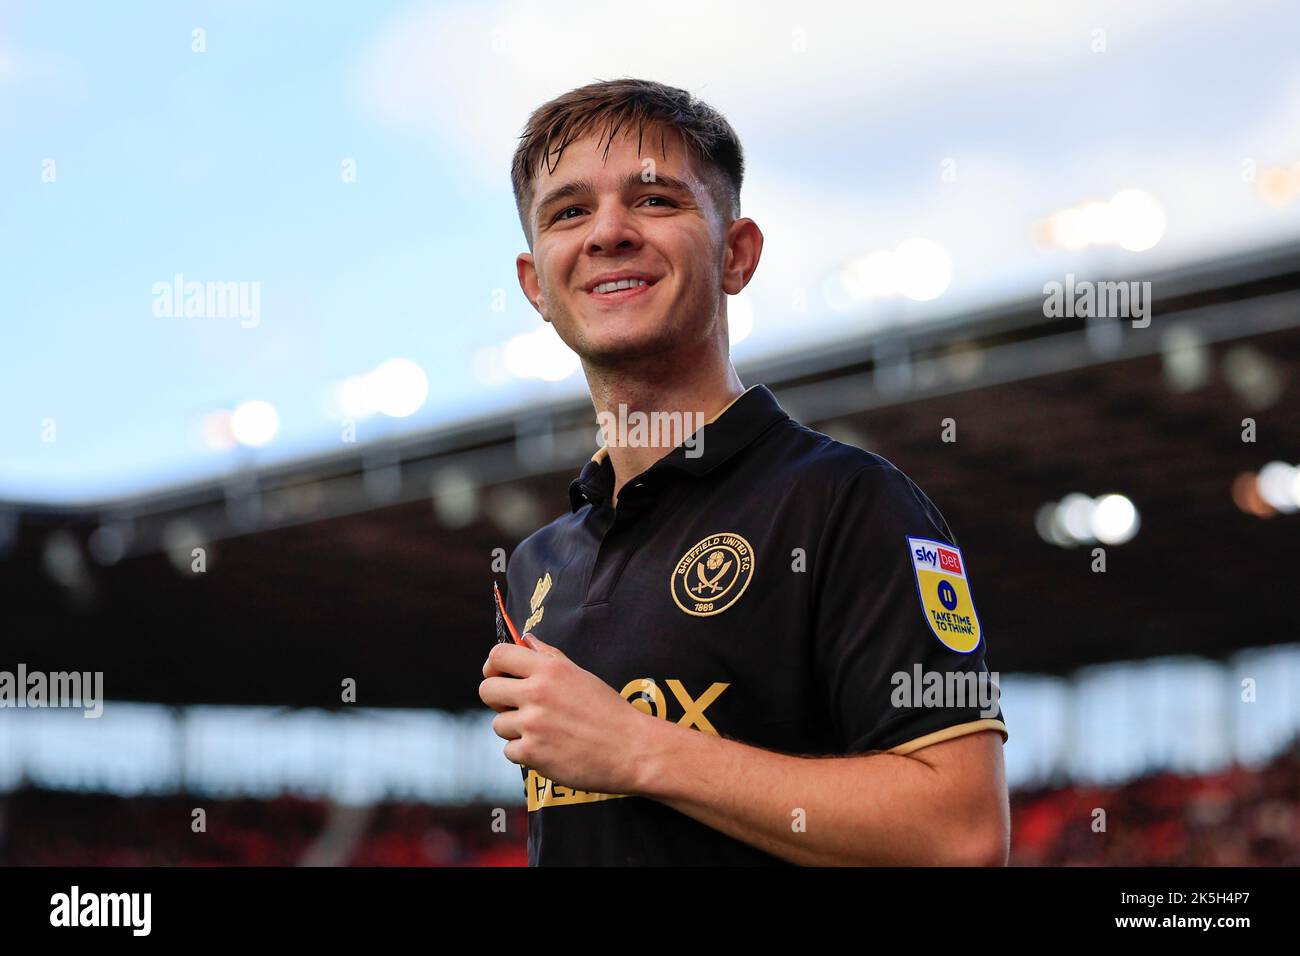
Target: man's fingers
pixel 510 660
pixel 506 725
pixel 500 693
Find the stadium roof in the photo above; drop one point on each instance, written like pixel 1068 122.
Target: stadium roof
pixel 372 566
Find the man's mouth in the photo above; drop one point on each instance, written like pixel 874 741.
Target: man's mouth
pixel 606 287
pixel 621 290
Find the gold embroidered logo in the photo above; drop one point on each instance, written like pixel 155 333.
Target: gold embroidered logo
pixel 713 575
pixel 535 608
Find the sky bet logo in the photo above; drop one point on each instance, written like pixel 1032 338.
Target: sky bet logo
pixel 947 560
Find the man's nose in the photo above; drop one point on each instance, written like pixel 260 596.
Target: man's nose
pixel 612 228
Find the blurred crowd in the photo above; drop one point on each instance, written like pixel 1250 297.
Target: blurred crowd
pixel 416 834
pixel 58 828
pixel 61 828
pixel 1237 817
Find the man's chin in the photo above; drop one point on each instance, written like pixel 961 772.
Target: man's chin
pixel 625 351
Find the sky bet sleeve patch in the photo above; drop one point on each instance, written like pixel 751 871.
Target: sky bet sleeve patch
pixel 945 594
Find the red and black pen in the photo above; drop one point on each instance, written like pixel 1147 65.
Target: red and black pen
pixel 505 627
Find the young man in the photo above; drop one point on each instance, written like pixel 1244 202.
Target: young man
pixel 729 633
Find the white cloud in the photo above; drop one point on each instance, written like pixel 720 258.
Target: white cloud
pixel 892 82
pixel 473 73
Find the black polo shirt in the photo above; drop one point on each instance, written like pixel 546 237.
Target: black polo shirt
pixel 770 590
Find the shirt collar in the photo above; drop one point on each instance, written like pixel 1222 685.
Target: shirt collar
pixel 723 435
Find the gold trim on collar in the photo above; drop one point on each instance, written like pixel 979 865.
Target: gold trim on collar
pixel 602 452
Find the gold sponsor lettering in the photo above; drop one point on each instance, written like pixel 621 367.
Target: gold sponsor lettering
pixel 546 793
pixel 693 710
pixel 645 695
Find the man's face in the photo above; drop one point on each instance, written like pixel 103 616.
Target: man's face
pixel 646 215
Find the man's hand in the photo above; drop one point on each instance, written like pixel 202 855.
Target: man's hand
pixel 560 720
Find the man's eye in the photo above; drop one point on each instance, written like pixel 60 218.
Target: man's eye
pixel 562 215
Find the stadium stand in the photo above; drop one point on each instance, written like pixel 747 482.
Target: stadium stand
pixel 1237 817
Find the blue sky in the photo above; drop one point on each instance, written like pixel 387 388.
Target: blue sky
pixel 225 165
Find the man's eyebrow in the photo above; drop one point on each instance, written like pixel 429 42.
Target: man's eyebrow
pixel 581 187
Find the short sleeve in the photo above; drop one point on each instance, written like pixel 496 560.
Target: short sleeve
pixel 898 645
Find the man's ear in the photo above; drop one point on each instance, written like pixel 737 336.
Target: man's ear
pixel 744 246
pixel 526 268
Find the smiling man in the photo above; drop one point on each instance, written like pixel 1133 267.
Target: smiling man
pixel 754 646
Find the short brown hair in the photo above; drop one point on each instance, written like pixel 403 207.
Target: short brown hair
pixel 624 103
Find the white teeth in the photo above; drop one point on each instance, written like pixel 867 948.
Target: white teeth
pixel 618 286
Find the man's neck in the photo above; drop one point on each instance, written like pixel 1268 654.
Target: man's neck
pixel 690 397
